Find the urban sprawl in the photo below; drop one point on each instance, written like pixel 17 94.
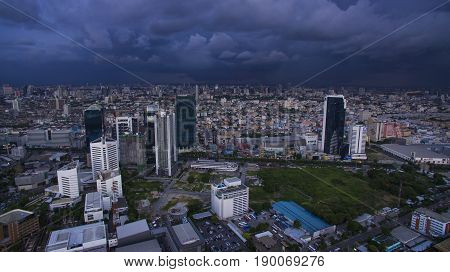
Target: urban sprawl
pixel 168 168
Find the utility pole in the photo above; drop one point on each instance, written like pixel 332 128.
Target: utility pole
pixel 400 193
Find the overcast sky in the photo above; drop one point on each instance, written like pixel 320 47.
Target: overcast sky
pixel 226 41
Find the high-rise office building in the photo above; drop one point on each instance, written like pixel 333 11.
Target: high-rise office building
pixel 357 135
pixel 149 122
pixel 126 126
pixel 109 183
pixel 165 143
pixel 93 123
pixel 229 198
pixel 104 155
pixel 15 105
pixel 68 180
pixel 66 110
pixel 185 108
pixel 333 124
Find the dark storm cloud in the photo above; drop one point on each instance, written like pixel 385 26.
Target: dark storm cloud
pixel 265 41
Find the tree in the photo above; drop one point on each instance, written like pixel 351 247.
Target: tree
pixel 372 248
pixel 191 179
pixel 297 224
pixel 195 206
pixel 353 226
pixel 214 219
pixel 385 230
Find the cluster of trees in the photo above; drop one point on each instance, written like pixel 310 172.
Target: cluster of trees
pixel 194 206
pixel 199 177
pixel 259 228
pixel 263 206
pixel 413 185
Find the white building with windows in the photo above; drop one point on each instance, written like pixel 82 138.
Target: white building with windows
pixel 93 207
pixel 357 135
pixel 104 155
pixel 109 183
pixel 430 223
pixel 165 143
pixel 229 198
pixel 68 180
pixel 125 126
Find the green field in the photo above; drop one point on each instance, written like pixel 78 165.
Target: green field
pixel 330 192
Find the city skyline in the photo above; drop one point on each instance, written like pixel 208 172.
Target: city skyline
pixel 230 42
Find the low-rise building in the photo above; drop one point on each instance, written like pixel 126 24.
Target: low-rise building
pixel 430 223
pixel 186 237
pixel 213 165
pixel 17 224
pixel 133 233
pixel 30 180
pixel 418 153
pixel 109 183
pixel 93 207
pixel 85 238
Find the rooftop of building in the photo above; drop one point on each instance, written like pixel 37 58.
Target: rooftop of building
pixel 93 201
pixel 94 107
pixel 186 234
pixel 230 189
pixel 293 211
pixel 75 237
pixel 404 234
pixel 443 246
pixel 420 150
pixel 69 166
pixel 146 246
pixel 103 140
pixel 133 228
pixel 435 215
pixel 108 174
pixel 16 215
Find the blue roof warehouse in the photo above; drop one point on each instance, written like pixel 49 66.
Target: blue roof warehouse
pixel 310 222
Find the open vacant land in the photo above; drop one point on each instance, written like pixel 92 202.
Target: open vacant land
pixel 330 192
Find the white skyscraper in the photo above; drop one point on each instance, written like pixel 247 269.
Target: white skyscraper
pixel 125 126
pixel 165 143
pixel 68 181
pixel 229 198
pixel 109 183
pixel 357 135
pixel 66 110
pixel 104 155
pixel 15 105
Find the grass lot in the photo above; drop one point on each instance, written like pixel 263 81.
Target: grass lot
pixel 330 192
pixel 193 187
pixel 138 190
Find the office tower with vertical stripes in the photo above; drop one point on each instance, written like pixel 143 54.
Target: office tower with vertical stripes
pixel 104 155
pixel 165 143
pixel 357 135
